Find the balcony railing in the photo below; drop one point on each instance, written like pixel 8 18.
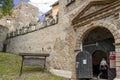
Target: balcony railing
pixel 32 28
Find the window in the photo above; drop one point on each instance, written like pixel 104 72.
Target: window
pixel 69 2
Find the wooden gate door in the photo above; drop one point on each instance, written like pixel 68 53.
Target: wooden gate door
pixel 84 65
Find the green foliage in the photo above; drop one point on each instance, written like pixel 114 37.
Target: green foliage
pixel 7 7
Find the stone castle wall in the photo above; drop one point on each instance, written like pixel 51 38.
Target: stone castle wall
pixel 59 42
pixel 62 39
pixel 54 40
pixel 3 34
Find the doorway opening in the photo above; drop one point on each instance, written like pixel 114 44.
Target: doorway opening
pixel 96 59
pixel 99 42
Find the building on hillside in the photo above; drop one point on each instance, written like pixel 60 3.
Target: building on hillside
pixel 47 14
pixel 53 12
pixel 87 31
pixel 23 15
pixel 8 22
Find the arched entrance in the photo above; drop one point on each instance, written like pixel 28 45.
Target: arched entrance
pixel 99 42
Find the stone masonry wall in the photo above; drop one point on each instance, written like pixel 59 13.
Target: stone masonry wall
pixel 61 40
pixel 3 34
pixel 55 40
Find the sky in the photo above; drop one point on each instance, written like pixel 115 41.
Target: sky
pixel 43 5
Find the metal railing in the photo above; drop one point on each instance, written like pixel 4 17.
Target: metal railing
pixel 32 28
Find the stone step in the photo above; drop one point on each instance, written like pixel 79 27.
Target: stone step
pixel 95 78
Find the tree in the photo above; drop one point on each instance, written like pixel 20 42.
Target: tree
pixel 7 6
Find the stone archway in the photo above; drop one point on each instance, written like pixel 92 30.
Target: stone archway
pixel 85 29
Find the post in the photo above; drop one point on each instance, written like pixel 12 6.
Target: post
pixel 45 63
pixel 21 66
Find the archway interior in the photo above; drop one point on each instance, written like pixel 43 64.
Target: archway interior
pixel 96 35
pixel 98 42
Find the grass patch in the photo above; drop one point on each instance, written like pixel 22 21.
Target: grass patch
pixel 10 68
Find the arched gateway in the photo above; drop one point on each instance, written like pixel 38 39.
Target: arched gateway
pixel 97 30
pixel 97 39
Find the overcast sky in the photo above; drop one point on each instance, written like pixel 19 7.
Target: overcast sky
pixel 43 5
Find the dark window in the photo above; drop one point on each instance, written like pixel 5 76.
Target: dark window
pixel 69 2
